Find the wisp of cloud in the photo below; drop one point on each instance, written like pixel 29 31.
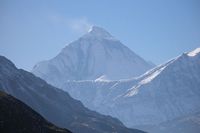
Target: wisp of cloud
pixel 80 25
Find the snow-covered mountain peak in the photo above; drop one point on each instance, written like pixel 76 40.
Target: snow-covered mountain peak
pixel 97 32
pixel 194 52
pixel 94 56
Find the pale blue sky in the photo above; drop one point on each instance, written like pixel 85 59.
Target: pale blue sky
pixel 157 30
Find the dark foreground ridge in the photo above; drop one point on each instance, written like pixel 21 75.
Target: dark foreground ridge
pixel 17 117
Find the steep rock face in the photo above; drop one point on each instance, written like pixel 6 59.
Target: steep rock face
pixel 17 117
pixel 54 104
pixel 164 93
pixel 96 55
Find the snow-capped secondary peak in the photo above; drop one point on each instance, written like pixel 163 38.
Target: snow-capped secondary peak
pixel 194 52
pixel 99 32
pixel 166 92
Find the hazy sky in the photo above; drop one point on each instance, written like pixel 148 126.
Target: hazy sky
pixel 157 30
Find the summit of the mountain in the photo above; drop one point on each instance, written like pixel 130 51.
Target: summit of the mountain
pixel 98 32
